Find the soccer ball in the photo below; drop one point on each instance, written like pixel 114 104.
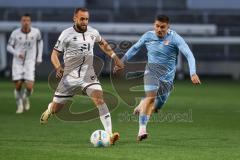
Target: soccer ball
pixel 100 138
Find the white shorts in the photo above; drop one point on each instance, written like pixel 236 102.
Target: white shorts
pixel 71 85
pixel 23 72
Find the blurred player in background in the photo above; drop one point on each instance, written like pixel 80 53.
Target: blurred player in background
pixel 26 45
pixel 76 44
pixel 163 46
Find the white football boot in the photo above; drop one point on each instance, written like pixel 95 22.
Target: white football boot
pixel 46 115
pixel 20 109
pixel 26 103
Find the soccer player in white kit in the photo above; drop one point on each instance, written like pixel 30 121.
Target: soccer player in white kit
pixel 26 45
pixel 76 44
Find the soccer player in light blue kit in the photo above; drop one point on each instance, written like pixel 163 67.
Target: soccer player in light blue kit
pixel 163 46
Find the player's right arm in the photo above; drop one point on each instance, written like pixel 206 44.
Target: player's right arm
pixel 134 49
pixel 57 50
pixel 56 63
pixel 11 45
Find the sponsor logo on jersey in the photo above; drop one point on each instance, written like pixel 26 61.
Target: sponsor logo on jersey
pixel 92 77
pixel 74 38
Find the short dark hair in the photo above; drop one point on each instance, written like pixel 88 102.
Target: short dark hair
pixel 80 9
pixel 162 18
pixel 26 15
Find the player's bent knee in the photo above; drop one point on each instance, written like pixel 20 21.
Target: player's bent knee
pixel 97 98
pixel 93 90
pixel 29 88
pixel 99 102
pixel 18 85
pixel 150 100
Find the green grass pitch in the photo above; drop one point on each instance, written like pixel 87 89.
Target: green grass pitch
pixel 211 129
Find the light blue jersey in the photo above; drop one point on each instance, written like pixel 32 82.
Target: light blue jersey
pixel 162 54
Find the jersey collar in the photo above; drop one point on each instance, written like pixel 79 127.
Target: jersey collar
pixel 74 27
pixel 26 32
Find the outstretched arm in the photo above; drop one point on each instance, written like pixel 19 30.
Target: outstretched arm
pixel 108 50
pixel 185 50
pixel 134 49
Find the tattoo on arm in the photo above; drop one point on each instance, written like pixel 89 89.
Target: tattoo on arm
pixel 101 43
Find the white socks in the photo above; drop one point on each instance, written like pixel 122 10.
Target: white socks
pixel 50 108
pixel 18 97
pixel 26 93
pixel 143 120
pixel 105 118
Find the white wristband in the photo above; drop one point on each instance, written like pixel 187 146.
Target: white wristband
pixel 113 55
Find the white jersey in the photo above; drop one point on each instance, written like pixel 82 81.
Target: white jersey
pixel 77 49
pixel 31 46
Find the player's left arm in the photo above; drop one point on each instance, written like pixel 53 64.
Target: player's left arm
pixel 185 50
pixel 39 48
pixel 108 50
